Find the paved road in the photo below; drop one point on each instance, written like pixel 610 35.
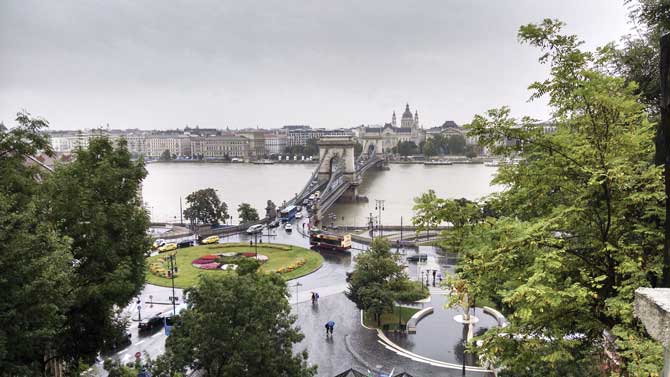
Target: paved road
pixel 330 354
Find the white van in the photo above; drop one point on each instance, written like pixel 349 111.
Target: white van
pixel 255 228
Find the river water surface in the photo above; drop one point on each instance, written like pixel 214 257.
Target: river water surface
pixel 256 184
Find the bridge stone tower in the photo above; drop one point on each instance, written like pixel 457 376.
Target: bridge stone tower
pixel 372 144
pixel 337 154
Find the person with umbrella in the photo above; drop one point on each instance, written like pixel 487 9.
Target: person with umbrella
pixel 330 325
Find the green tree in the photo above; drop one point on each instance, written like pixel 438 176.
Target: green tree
pixel 461 214
pixel 406 148
pixel 575 233
pixel 311 147
pixel 430 148
pixel 95 201
pixel 378 280
pixel 246 331
pixel 205 207
pixel 247 213
pixel 35 267
pixel 455 145
pixel 165 156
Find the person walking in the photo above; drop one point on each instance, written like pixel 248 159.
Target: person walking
pixel 330 325
pixel 313 298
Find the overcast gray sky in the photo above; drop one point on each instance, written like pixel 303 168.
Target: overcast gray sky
pixel 165 64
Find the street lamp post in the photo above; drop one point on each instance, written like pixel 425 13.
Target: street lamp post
pixel 297 311
pixel 174 301
pixel 379 206
pixel 464 345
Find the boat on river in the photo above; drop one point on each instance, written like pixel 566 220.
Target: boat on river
pixel 437 162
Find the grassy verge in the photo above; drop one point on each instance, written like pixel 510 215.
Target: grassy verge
pixel 279 256
pixel 391 318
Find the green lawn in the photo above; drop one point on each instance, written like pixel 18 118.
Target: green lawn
pixel 188 275
pixel 391 319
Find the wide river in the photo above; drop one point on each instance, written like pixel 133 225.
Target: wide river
pixel 256 184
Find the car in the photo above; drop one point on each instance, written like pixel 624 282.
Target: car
pixel 183 244
pixel 210 239
pixel 255 228
pixel 305 201
pixel 288 227
pixel 298 208
pixel 298 215
pixel 151 325
pixel 417 258
pixel 158 243
pixel 312 197
pixel 274 223
pixel 167 247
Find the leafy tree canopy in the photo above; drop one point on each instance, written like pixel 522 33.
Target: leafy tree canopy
pixel 36 264
pixel 575 231
pixel 204 206
pixel 247 213
pixel 378 280
pixel 95 201
pixel 237 325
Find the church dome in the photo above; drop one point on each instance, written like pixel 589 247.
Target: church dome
pixel 407 114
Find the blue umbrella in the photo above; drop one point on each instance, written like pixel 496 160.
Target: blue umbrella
pixel 330 324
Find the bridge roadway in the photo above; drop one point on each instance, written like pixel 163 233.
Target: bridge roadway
pixel 337 185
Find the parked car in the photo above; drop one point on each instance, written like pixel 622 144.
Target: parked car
pixel 210 239
pixel 167 247
pixel 305 201
pixel 255 228
pixel 417 258
pixel 158 243
pixel 151 325
pixel 298 208
pixel 183 244
pixel 288 227
pixel 274 223
pixel 298 215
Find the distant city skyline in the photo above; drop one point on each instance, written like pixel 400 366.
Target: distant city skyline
pixel 212 64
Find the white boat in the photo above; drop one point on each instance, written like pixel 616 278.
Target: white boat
pixel 437 162
pixel 493 163
pixel 288 227
pixel 264 162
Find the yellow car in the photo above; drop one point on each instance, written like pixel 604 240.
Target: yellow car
pixel 167 247
pixel 210 239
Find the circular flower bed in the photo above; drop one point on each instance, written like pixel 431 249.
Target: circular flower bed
pixel 224 261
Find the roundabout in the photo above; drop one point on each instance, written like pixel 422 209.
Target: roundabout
pixel 288 260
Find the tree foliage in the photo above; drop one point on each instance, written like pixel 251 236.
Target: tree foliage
pixel 311 148
pixel 35 268
pixel 575 231
pixel 460 214
pixel 247 213
pixel 378 280
pixel 205 207
pixel 406 148
pixel 165 156
pixel 237 325
pixel 95 201
pixel 442 144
